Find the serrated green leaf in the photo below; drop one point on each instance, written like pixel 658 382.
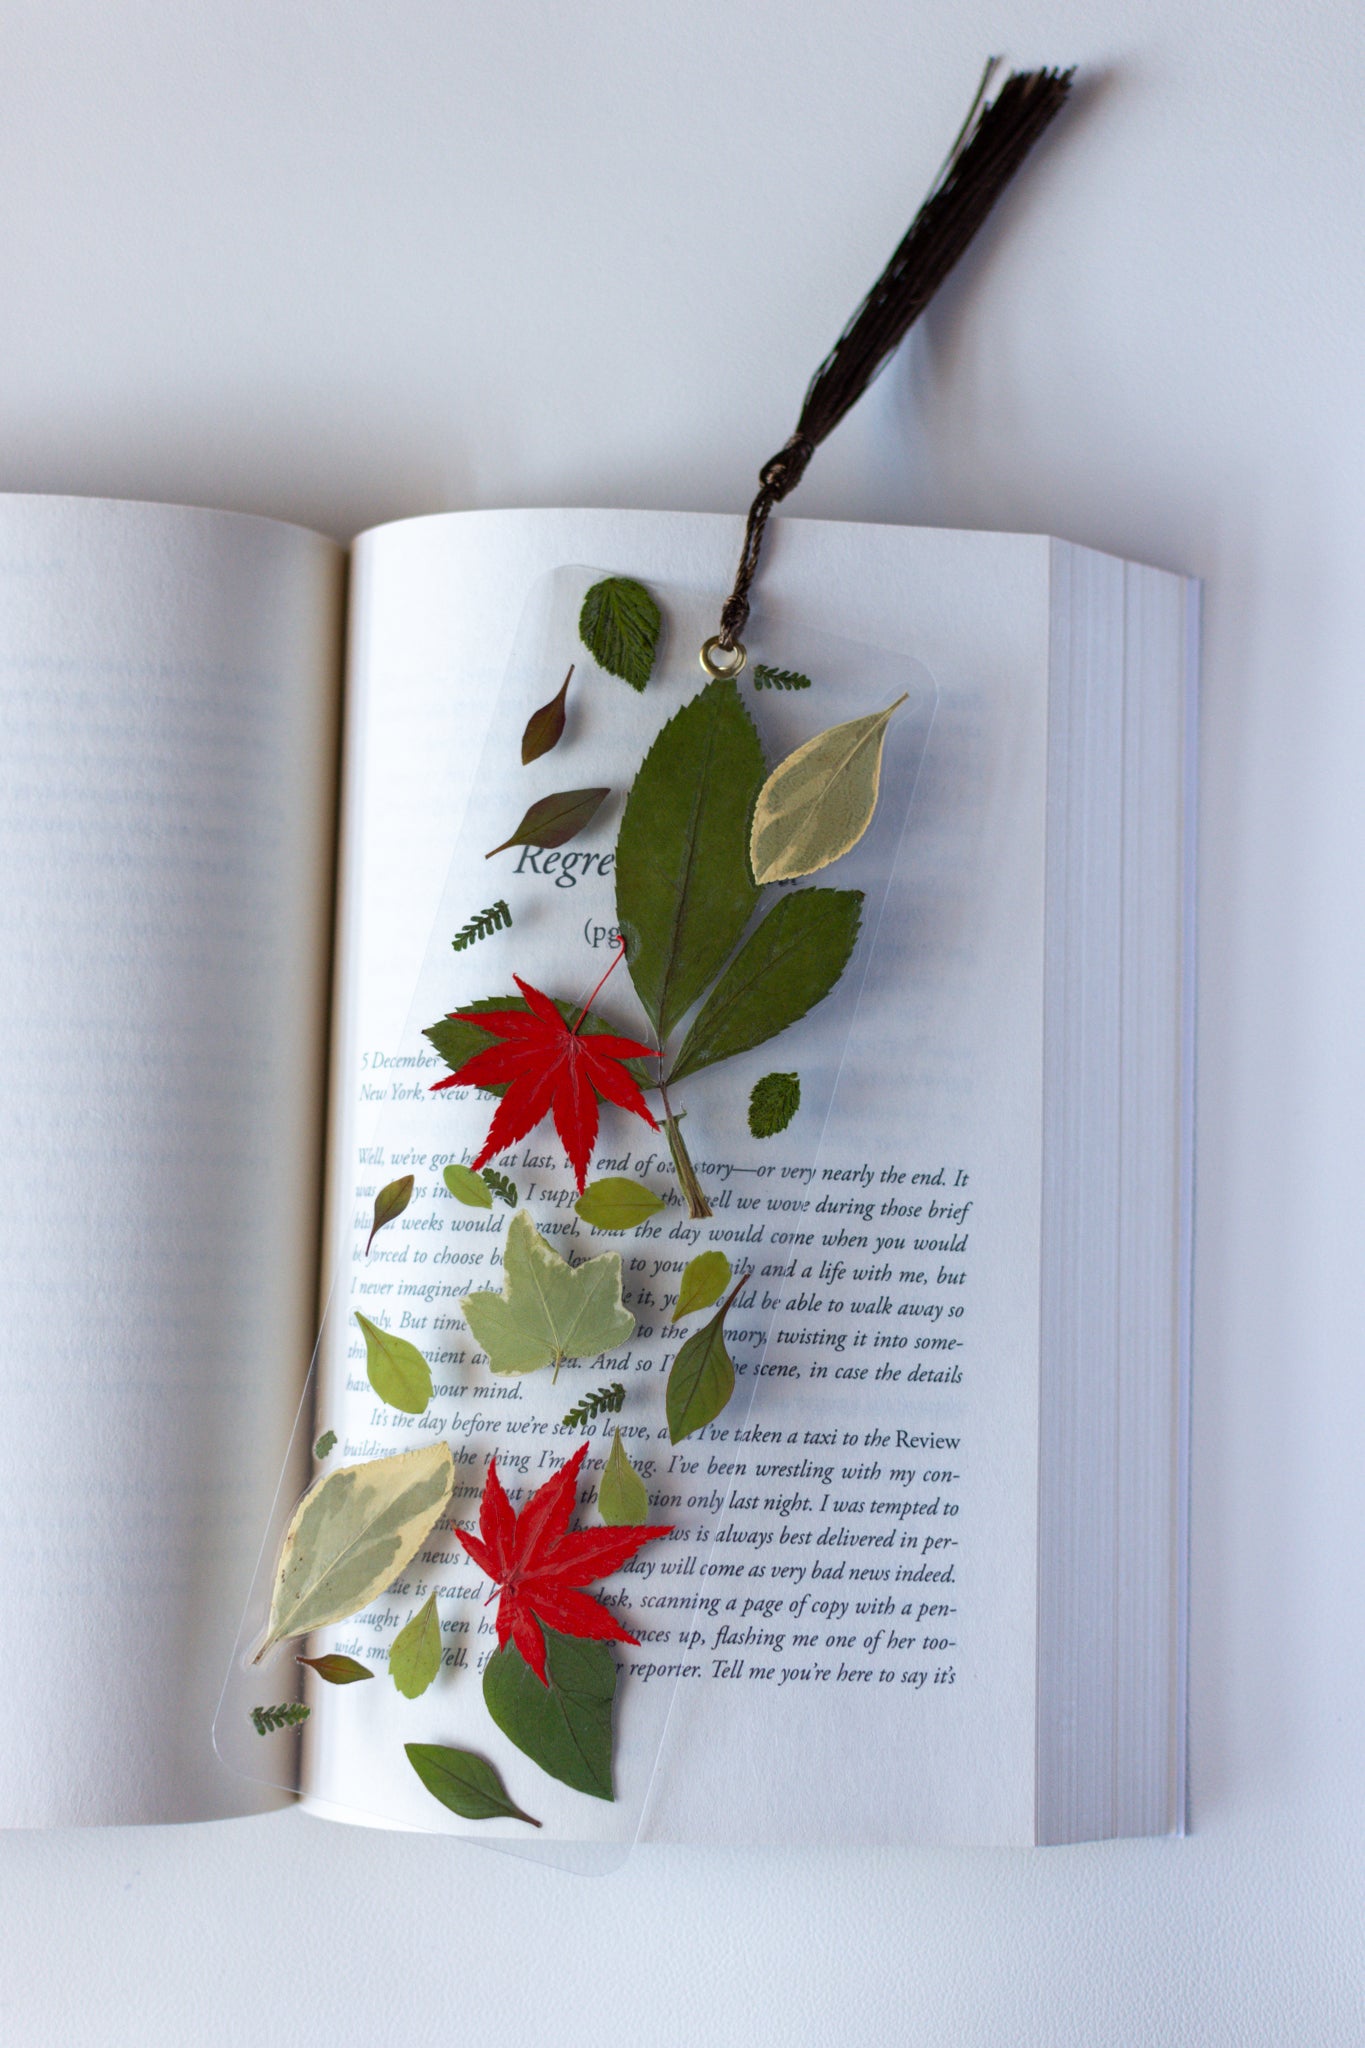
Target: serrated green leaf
pixel 789 963
pixel 351 1535
pixel 548 1310
pixel 616 1203
pixel 336 1669
pixel 819 801
pixel 415 1652
pixel 391 1201
pixel 555 820
pixel 398 1372
pixel 701 1378
pixel 684 892
pixel 622 1501
pixel 457 1041
pixel 766 678
pixel 325 1445
pixel 470 1188
pixel 545 728
pixel 773 1102
pixel 564 1726
pixel 469 1785
pixel 704 1280
pixel 619 625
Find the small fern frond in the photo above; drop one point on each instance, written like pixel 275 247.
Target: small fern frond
pixel 265 1720
pixel 502 1185
pixel 482 925
pixel 766 678
pixel 606 1401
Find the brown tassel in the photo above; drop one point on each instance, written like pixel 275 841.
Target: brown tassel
pixel 995 139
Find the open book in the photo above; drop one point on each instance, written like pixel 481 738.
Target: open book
pixel 926 1580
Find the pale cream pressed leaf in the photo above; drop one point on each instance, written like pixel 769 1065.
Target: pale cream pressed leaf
pixel 818 803
pixel 351 1535
pixel 548 1310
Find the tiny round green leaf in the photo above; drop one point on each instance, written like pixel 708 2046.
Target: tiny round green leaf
pixel 467 1187
pixel 773 1103
pixel 619 625
pixel 617 1203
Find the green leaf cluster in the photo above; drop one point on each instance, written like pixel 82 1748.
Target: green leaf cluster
pixel 265 1720
pixel 482 925
pixel 773 1102
pixel 619 625
pixel 564 1726
pixel 605 1401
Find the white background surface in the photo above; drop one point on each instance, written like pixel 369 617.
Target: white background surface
pixel 343 261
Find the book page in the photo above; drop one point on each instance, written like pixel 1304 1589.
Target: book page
pixel 169 683
pixel 842 1628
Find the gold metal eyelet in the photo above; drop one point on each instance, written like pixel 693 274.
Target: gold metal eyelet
pixel 719 670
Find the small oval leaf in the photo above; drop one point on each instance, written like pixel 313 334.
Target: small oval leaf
pixel 415 1652
pixel 617 1203
pixel 398 1372
pixel 467 1784
pixel 351 1535
pixel 388 1203
pixel 619 625
pixel 554 820
pixel 325 1445
pixel 819 801
pixel 622 1500
pixel 773 1102
pixel 336 1669
pixel 702 1376
pixel 545 728
pixel 704 1280
pixel 469 1188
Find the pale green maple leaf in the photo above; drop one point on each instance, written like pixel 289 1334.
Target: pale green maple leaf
pixel 548 1310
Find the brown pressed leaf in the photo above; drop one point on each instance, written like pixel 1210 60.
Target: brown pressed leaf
pixel 556 819
pixel 336 1669
pixel 388 1203
pixel 545 728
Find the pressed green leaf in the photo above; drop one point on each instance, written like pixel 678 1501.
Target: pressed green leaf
pixel 469 1785
pixel 617 1203
pixel 415 1652
pixel 482 925
pixel 773 1102
pixel 503 1186
pixel 391 1201
pixel 788 963
pixel 766 678
pixel 555 820
pixel 470 1188
pixel 619 625
pixel 351 1535
pixel 457 1041
pixel 701 1378
pixel 398 1372
pixel 325 1445
pixel 605 1401
pixel 545 728
pixel 819 801
pixel 684 892
pixel 548 1310
pixel 265 1720
pixel 704 1280
pixel 336 1669
pixel 564 1726
pixel 621 1497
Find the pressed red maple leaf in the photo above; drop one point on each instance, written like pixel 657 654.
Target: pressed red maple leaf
pixel 548 1065
pixel 538 1563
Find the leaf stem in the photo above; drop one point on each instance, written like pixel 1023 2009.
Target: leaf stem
pixel 697 1204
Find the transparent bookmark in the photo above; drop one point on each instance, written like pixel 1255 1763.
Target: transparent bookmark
pixel 548 915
